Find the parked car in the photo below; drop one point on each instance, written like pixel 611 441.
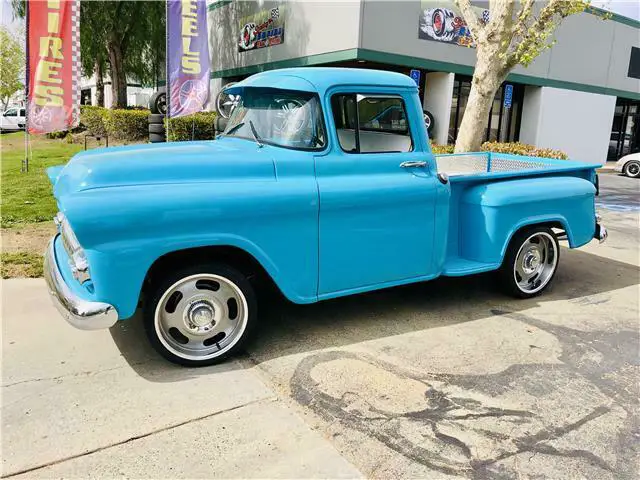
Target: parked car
pixel 629 165
pixel 12 119
pixel 298 191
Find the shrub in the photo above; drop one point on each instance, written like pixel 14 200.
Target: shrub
pixel 441 149
pixel 199 126
pixel 517 148
pixel 125 124
pixel 513 148
pixel 93 119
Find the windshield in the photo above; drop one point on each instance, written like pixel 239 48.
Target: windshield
pixel 280 117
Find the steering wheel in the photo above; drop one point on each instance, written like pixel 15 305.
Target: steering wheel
pixel 289 118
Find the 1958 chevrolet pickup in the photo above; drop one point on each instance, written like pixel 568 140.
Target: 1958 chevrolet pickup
pixel 323 183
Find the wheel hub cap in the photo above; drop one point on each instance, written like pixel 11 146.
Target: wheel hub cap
pixel 531 261
pixel 200 317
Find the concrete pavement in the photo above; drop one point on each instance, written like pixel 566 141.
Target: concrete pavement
pixel 447 379
pixel 73 405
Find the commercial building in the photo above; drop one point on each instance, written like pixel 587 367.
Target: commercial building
pixel 582 96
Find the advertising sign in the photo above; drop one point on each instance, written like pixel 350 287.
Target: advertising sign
pixel 188 57
pixel 442 22
pixel 262 29
pixel 53 62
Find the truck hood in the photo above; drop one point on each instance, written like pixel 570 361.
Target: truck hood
pixel 224 160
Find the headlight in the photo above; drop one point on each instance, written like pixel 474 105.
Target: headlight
pixel 77 258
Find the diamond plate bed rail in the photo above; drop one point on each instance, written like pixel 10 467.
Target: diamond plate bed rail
pixel 483 162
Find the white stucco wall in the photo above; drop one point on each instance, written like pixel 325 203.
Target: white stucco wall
pixel 438 95
pixel 577 123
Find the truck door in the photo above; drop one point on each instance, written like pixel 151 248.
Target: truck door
pixel 377 196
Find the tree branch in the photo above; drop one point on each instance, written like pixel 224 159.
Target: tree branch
pixel 470 17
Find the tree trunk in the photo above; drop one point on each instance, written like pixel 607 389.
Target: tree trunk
pixel 99 83
pixel 487 78
pixel 118 76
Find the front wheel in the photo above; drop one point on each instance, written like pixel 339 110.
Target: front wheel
pixel 200 315
pixel 632 169
pixel 530 263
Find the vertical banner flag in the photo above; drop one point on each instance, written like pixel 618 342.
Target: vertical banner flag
pixel 53 65
pixel 188 57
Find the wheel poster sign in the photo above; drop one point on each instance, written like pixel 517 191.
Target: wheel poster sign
pixel 261 29
pixel 442 22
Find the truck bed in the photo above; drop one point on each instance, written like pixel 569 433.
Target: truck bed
pixel 488 165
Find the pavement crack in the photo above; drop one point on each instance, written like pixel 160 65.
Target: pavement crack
pixel 71 375
pixel 136 437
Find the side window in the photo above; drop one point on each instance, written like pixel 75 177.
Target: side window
pixel 371 123
pixel 11 113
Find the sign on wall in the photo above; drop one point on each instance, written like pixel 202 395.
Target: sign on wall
pixel 188 59
pixel 442 22
pixel 508 95
pixel 53 46
pixel 261 29
pixel 415 75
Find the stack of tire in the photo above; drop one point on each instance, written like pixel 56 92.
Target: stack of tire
pixel 158 107
pixel 157 132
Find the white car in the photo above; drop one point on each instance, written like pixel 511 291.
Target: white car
pixel 629 165
pixel 12 119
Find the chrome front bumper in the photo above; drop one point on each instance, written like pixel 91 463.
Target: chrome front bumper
pixel 78 312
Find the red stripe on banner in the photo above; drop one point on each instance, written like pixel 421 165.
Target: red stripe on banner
pixel 51 65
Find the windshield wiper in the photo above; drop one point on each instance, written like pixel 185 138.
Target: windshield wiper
pixel 233 129
pixel 255 134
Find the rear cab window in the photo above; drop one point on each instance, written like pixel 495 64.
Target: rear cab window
pixel 368 123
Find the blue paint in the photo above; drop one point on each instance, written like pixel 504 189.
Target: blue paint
pixel 322 223
pixel 415 74
pixel 508 95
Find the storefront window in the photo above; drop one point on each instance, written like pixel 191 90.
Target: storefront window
pixel 625 131
pixel 504 122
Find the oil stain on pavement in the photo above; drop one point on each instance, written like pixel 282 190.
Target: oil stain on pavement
pixel 574 417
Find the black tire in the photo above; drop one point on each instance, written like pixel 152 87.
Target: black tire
pixel 507 272
pixel 156 128
pixel 429 121
pixel 632 169
pixel 158 103
pixel 156 118
pixel 157 138
pixel 158 289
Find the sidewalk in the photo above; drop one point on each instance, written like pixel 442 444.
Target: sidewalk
pixel 69 414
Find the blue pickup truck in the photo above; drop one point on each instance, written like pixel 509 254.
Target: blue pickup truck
pixel 312 189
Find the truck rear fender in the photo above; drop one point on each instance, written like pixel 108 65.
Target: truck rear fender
pixel 491 213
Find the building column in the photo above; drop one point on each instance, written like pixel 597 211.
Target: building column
pixel 578 123
pixel 438 95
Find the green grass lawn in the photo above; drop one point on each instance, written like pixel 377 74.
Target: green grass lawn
pixel 27 197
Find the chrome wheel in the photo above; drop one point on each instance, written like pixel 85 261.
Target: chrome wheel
pixel 201 317
pixel 535 262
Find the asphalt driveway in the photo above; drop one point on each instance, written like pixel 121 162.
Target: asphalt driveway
pixel 439 380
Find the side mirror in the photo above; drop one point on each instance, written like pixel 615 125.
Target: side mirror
pixel 221 123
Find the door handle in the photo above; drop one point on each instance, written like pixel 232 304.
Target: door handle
pixel 415 164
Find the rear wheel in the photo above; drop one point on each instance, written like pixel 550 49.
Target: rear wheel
pixel 632 169
pixel 531 262
pixel 200 315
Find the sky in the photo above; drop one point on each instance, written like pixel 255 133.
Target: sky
pixel 628 8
